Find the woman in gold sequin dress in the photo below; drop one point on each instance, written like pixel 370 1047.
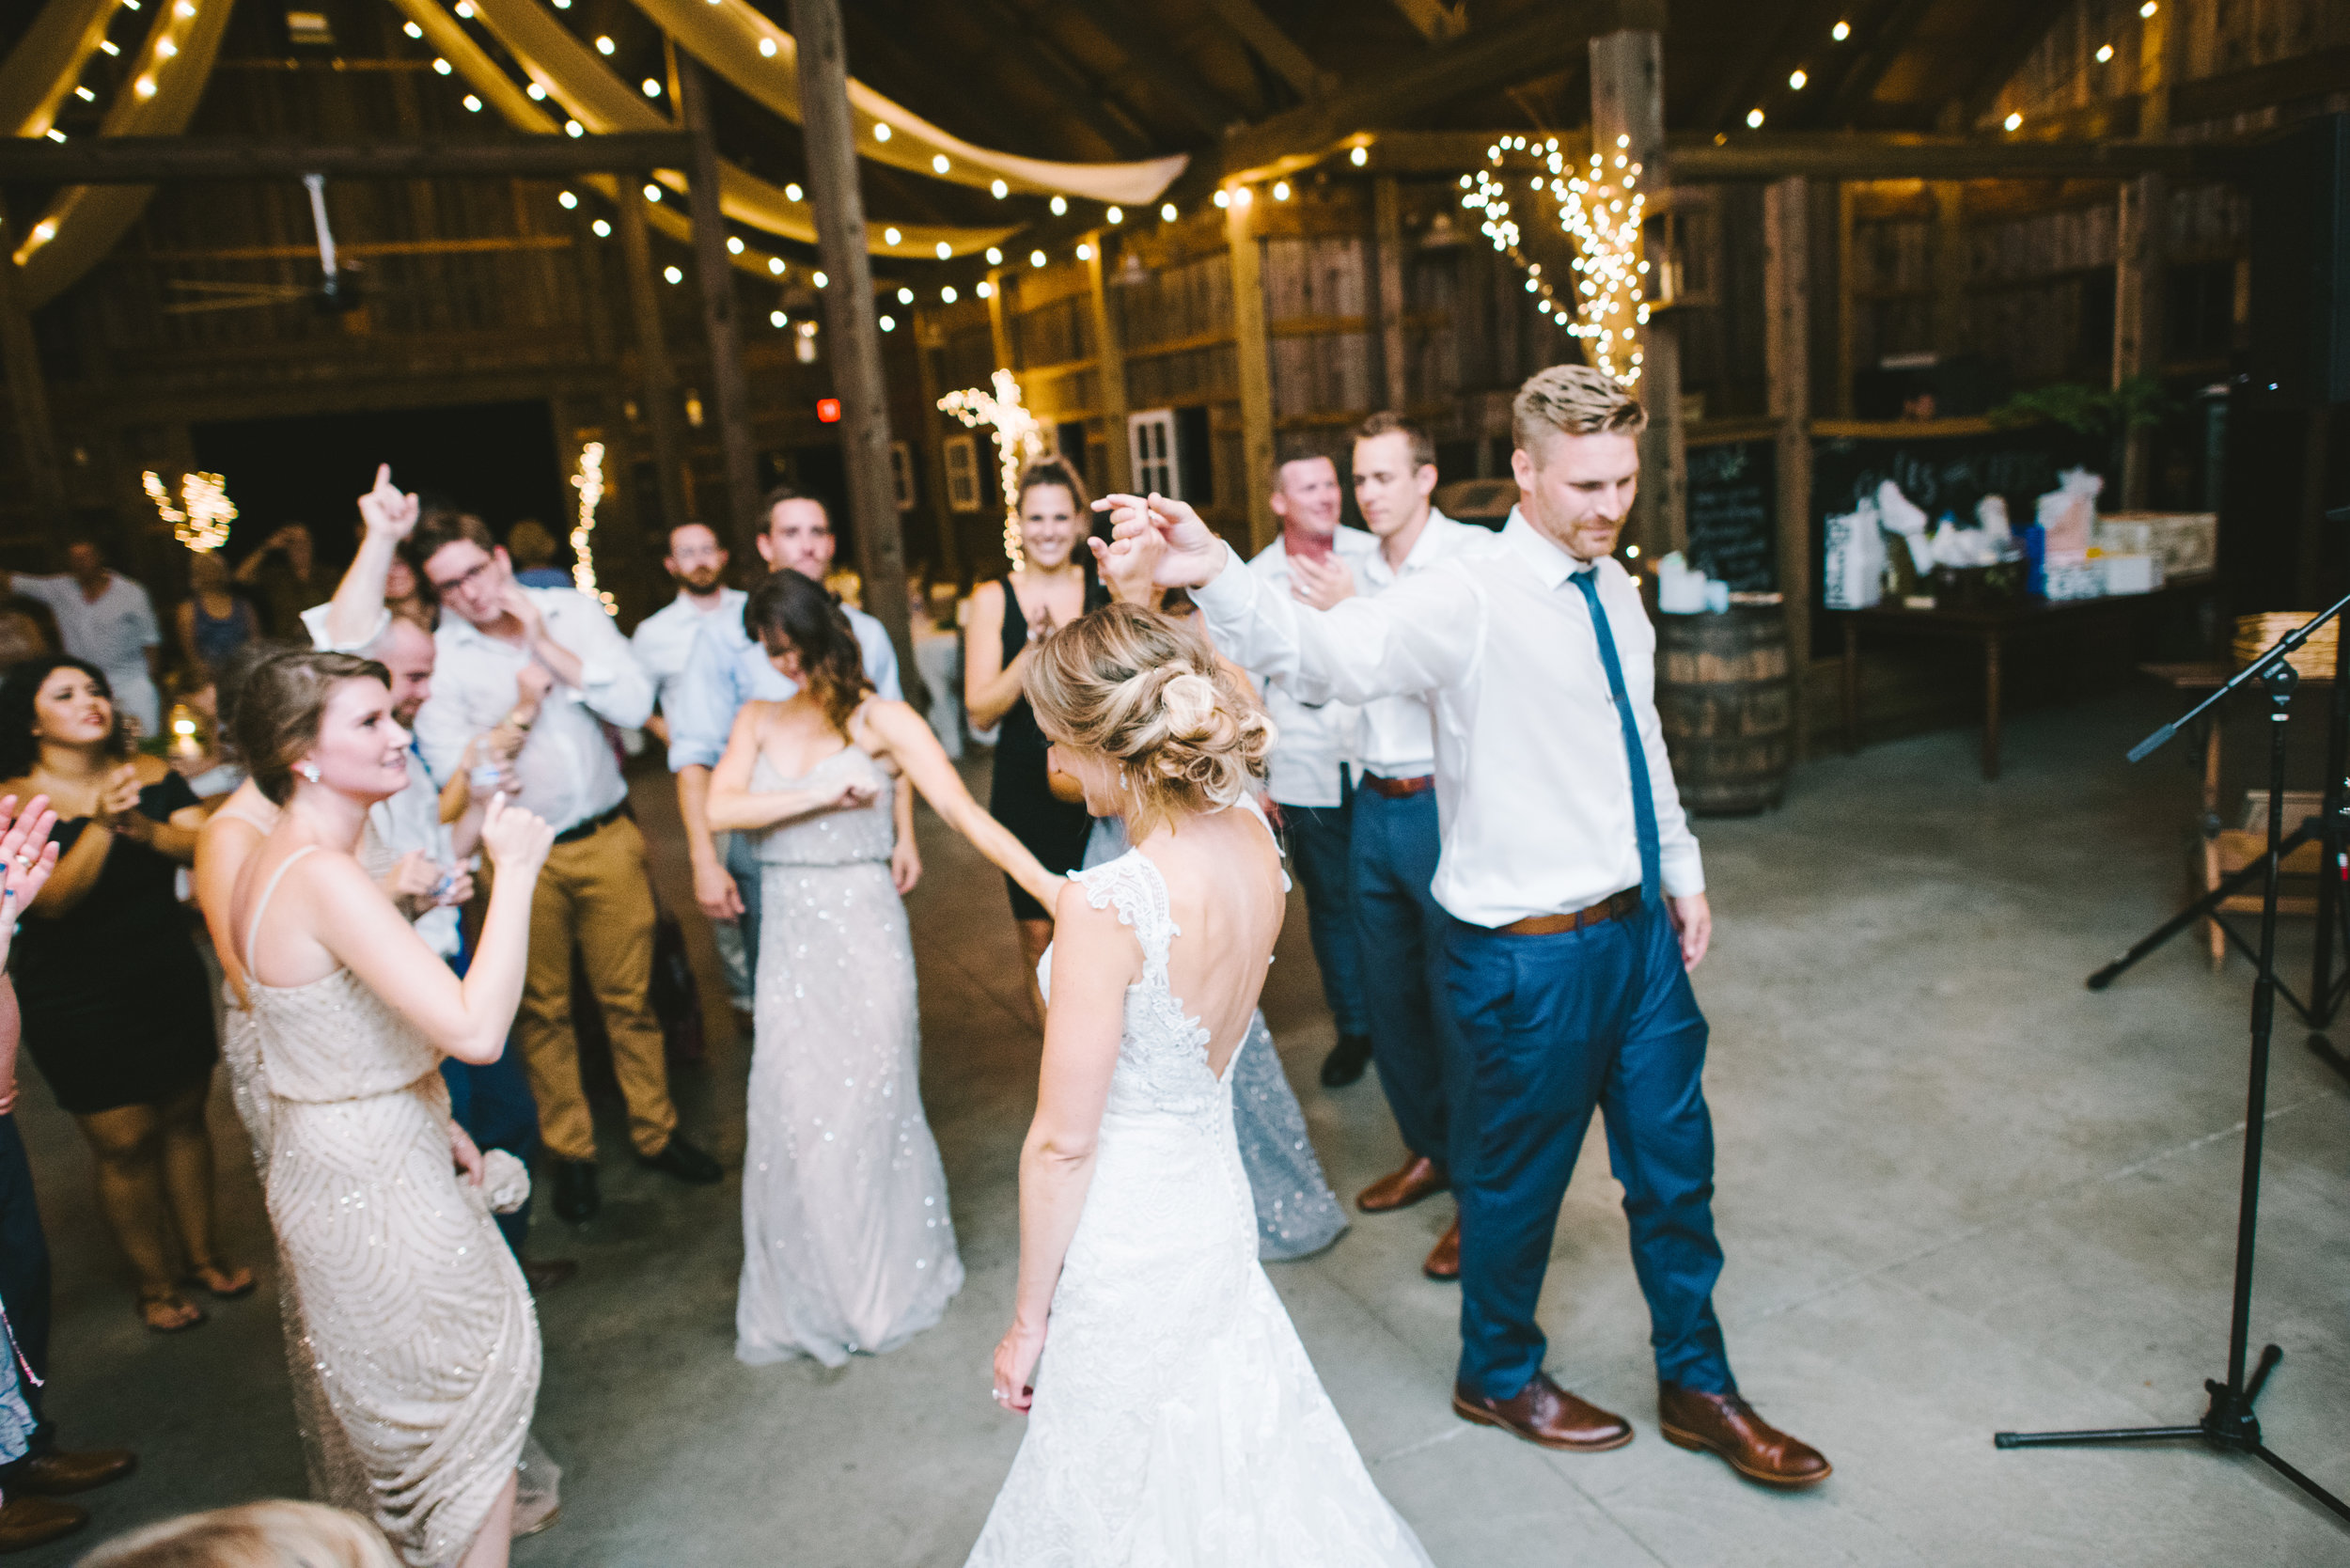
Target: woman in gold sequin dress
pixel 847 1242
pixel 423 1328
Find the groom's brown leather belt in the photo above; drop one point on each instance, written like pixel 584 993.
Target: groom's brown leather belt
pixel 1399 788
pixel 1622 906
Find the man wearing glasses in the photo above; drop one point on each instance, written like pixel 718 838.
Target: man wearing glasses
pixel 593 892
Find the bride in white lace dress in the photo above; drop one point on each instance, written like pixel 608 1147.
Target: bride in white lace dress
pixel 1175 1419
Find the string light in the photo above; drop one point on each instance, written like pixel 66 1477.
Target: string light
pixel 948 293
pixel 589 481
pixel 604 46
pixel 1754 120
pixel 994 257
pixel 2014 122
pixel 1060 205
pixel 1116 214
pixel 775 265
pixel 1600 209
pixel 1797 79
pixel 1019 437
pixel 1359 157
pixel 891 236
pixel 997 189
pixel 1166 211
pixel 603 230
pixel 1842 31
pixel 201 519
pixel 945 250
pixel 2104 53
pixel 567 199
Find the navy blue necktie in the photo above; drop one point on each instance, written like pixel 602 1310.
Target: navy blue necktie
pixel 1643 799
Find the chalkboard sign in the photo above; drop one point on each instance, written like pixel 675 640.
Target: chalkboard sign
pixel 1732 504
pixel 1940 471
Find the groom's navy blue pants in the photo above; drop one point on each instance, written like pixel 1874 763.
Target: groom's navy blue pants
pixel 1556 1027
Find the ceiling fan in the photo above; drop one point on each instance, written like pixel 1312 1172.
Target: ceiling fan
pixel 336 293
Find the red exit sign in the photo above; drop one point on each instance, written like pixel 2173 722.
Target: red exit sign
pixel 828 411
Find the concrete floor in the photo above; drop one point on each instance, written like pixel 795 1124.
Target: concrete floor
pixel 1958 1192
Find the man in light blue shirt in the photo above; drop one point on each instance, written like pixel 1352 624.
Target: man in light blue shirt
pixel 724 670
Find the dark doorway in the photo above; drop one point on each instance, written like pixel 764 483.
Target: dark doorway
pixel 495 459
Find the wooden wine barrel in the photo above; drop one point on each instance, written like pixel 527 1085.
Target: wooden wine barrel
pixel 1728 706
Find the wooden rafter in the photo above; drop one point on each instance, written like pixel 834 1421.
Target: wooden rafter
pixel 1150 56
pixel 1552 37
pixel 1889 27
pixel 1437 21
pixel 2026 25
pixel 1063 80
pixel 1273 46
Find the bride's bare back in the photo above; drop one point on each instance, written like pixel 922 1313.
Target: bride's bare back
pixel 1224 883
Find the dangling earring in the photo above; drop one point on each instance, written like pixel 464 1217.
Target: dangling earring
pixel 308 770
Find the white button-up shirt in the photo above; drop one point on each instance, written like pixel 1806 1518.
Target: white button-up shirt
pixel 728 667
pixel 411 819
pixel 113 632
pixel 1398 733
pixel 663 639
pixel 1533 789
pixel 567 767
pixel 1314 736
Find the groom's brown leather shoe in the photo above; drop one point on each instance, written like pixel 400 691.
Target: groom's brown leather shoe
pixel 1420 1177
pixel 1444 1262
pixel 1727 1425
pixel 1543 1412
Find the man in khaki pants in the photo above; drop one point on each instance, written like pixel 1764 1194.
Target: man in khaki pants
pixel 593 892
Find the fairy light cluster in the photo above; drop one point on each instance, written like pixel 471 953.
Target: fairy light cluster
pixel 1600 209
pixel 589 480
pixel 200 520
pixel 1019 440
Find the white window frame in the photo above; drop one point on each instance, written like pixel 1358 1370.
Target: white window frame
pixel 961 456
pixel 901 474
pixel 1151 448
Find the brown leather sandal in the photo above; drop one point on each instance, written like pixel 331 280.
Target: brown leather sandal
pixel 168 1312
pixel 208 1277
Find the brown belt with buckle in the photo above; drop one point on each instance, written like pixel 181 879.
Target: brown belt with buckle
pixel 1622 906
pixel 1399 788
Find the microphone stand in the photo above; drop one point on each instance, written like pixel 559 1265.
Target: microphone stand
pixel 2229 1425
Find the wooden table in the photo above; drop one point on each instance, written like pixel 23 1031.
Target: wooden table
pixel 1993 626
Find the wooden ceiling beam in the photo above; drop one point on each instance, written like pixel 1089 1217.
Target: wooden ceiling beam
pixel 1853 155
pixel 1151 56
pixel 154 160
pixel 1436 20
pixel 1275 47
pixel 876 38
pixel 2022 30
pixel 1552 37
pixel 1889 27
pixel 1065 83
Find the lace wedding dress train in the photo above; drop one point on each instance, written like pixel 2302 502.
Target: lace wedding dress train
pixel 1177 1422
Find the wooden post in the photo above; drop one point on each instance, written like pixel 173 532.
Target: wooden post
pixel 2138 271
pixel 2141 229
pixel 1252 346
pixel 1386 206
pixel 1787 351
pixel 928 336
pixel 1628 117
pixel 1848 301
pixel 999 318
pixel 656 388
pixel 850 320
pixel 714 275
pixel 1110 368
pixel 28 394
pixel 1949 266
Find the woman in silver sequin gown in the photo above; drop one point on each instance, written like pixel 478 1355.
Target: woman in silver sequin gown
pixel 1297 1214
pixel 426 1339
pixel 847 1242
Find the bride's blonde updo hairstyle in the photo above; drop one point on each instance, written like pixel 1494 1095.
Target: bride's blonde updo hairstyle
pixel 1148 694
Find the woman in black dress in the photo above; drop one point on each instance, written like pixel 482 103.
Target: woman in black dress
pixel 116 1006
pixel 1054 584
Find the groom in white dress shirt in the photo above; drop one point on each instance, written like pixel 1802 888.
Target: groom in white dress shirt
pixel 1576 895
